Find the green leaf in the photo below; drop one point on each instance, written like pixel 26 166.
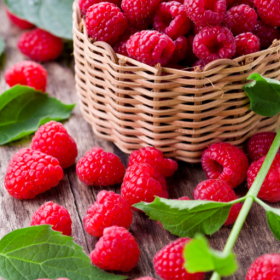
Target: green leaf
pixel 199 257
pixel 264 94
pixel 54 16
pixel 23 110
pixel 2 46
pixel 187 218
pixel 39 252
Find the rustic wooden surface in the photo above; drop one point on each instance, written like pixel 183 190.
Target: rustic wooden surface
pixel 255 238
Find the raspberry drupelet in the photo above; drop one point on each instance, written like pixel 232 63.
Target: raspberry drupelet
pixel 247 43
pixel 21 23
pixel 85 4
pixel 268 11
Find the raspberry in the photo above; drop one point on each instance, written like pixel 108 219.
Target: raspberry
pixel 246 2
pixel 150 47
pixel 142 182
pixel 213 43
pixel 266 33
pixel 169 262
pixel 225 162
pixel 52 214
pixel 27 73
pixel 268 11
pixel 139 12
pixel 30 173
pixel 116 250
pixel 40 45
pixel 53 139
pixel 110 209
pixel 181 47
pixel 155 158
pixel 270 190
pixel 259 145
pixel 21 23
pixel 85 4
pixel 171 19
pixel 220 191
pixel 105 22
pixel 247 43
pixel 99 168
pixel 205 13
pixel 266 267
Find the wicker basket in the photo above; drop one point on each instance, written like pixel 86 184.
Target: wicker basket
pixel 179 112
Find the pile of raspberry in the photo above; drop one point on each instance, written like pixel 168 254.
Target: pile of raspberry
pixel 184 32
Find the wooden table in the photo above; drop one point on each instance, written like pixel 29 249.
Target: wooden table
pixel 255 238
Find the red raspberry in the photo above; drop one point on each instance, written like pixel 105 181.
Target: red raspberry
pixel 145 278
pixel 181 47
pixel 150 47
pixel 99 168
pixel 266 33
pixel 155 158
pixel 259 145
pixel 171 19
pixel 30 173
pixel 169 262
pixel 53 139
pixel 85 4
pixel 225 162
pixel 246 2
pixel 52 214
pixel 268 11
pixel 247 43
pixel 40 45
pixel 139 12
pixel 105 22
pixel 116 250
pixel 142 182
pixel 266 267
pixel 220 191
pixel 205 13
pixel 270 190
pixel 213 43
pixel 110 209
pixel 27 73
pixel 21 23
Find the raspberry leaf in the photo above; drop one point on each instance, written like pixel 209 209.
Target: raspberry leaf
pixel 199 257
pixel 23 110
pixel 39 252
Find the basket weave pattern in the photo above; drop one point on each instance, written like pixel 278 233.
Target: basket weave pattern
pixel 178 112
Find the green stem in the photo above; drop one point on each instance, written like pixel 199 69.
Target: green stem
pixel 253 192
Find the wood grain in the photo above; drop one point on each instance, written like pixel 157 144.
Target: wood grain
pixel 255 238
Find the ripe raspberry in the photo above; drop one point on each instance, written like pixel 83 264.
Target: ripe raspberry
pixel 30 173
pixel 99 168
pixel 21 23
pixel 181 47
pixel 85 4
pixel 40 45
pixel 155 158
pixel 110 209
pixel 27 73
pixel 205 13
pixel 139 12
pixel 213 43
pixel 53 139
pixel 270 190
pixel 105 22
pixel 266 33
pixel 52 214
pixel 268 11
pixel 246 2
pixel 220 191
pixel 116 250
pixel 266 267
pixel 169 262
pixel 225 162
pixel 171 19
pixel 247 43
pixel 142 182
pixel 150 47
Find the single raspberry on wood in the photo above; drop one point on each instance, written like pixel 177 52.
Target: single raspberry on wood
pixel 30 173
pixel 270 190
pixel 268 11
pixel 169 262
pixel 40 45
pixel 27 73
pixel 85 4
pixel 247 43
pixel 110 209
pixel 181 48
pixel 116 250
pixel 52 214
pixel 21 23
pixel 225 162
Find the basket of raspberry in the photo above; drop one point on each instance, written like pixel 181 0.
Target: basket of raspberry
pixel 171 74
